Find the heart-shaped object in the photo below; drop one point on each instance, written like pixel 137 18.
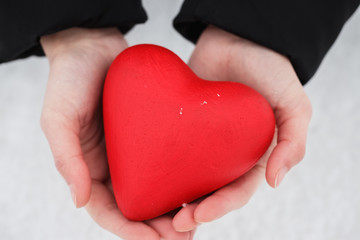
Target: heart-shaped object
pixel 172 137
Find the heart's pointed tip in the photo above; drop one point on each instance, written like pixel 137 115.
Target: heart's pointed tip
pixel 132 213
pixel 140 216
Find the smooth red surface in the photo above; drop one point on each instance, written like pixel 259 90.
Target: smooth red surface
pixel 172 137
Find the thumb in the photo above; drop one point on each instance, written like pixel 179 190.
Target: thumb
pixel 65 146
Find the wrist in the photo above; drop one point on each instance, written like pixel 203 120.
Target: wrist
pixel 105 42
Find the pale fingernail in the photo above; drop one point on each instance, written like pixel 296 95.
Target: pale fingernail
pixel 201 222
pixel 280 176
pixel 187 229
pixel 208 220
pixel 73 195
pixel 184 230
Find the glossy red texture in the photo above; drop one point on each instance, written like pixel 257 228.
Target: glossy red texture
pixel 172 137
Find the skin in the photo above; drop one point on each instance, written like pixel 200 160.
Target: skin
pixel 222 56
pixel 72 122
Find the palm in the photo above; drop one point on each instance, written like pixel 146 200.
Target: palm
pixel 85 79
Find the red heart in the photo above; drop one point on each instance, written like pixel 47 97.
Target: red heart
pixel 172 137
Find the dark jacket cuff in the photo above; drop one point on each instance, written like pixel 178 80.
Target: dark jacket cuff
pixel 301 30
pixel 22 23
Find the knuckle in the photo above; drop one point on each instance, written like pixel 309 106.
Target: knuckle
pixel 228 204
pixel 300 150
pixel 245 199
pixel 60 164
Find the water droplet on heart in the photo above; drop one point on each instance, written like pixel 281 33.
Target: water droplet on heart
pixel 218 95
pixel 181 109
pixel 204 102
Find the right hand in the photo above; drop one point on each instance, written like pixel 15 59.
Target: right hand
pixel 222 56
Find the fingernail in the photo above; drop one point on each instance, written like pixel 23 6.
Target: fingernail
pixel 187 229
pixel 201 222
pixel 184 230
pixel 73 195
pixel 280 176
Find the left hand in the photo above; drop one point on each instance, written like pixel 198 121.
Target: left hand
pixel 72 122
pixel 220 55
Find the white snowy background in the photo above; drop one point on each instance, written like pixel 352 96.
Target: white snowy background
pixel 319 199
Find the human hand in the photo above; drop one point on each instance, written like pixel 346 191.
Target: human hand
pixel 72 122
pixel 220 55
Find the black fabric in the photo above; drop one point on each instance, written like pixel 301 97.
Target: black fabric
pixel 23 22
pixel 303 30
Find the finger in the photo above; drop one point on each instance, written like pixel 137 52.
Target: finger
pixel 65 146
pixel 290 149
pixel 234 195
pixel 184 219
pixel 230 197
pixel 163 225
pixel 103 209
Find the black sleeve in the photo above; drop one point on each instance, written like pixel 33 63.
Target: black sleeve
pixel 23 22
pixel 303 30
